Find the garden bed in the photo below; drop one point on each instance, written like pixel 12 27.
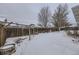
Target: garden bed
pixel 7 49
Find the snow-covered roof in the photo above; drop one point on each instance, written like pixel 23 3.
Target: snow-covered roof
pixel 49 25
pixel 17 26
pixel 2 19
pixel 75 7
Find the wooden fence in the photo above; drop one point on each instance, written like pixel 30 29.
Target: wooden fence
pixel 14 32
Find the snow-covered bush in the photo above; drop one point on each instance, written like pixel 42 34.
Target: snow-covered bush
pixel 73 33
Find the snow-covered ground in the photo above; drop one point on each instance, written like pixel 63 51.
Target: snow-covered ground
pixel 55 43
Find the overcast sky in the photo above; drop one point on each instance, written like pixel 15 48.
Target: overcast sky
pixel 28 13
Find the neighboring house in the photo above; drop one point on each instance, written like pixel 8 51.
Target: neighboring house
pixel 76 13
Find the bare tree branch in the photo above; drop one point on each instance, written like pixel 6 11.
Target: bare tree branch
pixel 43 16
pixel 60 18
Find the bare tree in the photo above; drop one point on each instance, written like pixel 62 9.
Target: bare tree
pixel 43 16
pixel 60 17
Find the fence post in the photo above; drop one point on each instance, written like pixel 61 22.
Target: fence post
pixel 29 34
pixel 2 36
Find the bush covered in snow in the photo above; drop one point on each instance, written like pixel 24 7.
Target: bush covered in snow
pixel 73 33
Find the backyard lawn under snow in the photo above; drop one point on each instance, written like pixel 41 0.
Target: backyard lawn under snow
pixel 47 43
